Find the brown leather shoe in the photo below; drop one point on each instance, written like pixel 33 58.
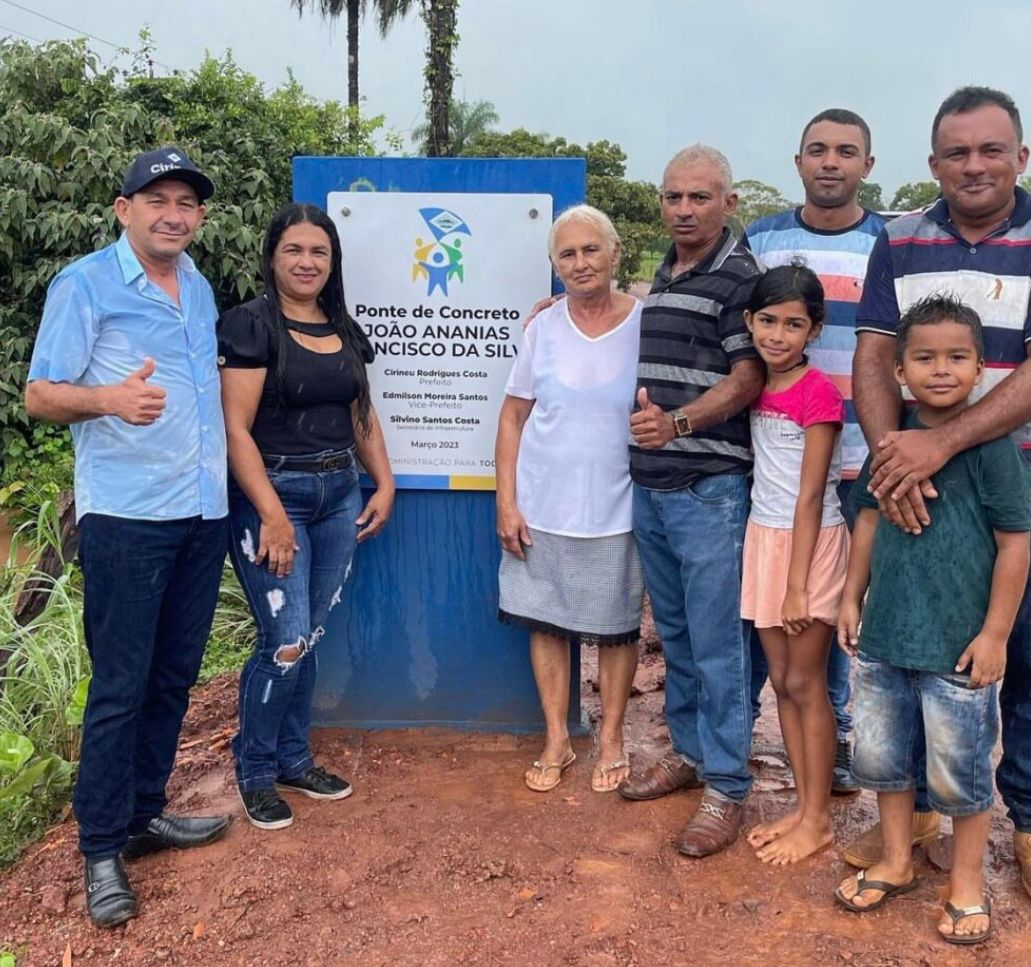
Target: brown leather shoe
pixel 661 778
pixel 714 827
pixel 865 850
pixel 1022 849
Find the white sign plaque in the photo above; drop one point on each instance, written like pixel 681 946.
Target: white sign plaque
pixel 441 282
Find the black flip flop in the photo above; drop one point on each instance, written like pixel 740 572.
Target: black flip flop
pixel 889 890
pixel 961 913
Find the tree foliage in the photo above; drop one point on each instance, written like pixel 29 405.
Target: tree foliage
pixel 756 199
pixel 871 196
pixel 633 206
pixel 69 127
pixel 466 120
pixel 914 195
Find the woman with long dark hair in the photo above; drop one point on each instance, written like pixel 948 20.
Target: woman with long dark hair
pixel 298 414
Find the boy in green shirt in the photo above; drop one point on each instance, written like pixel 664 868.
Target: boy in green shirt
pixel 940 608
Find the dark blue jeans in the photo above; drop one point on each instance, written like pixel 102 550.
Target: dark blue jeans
pixel 276 686
pixel 838 665
pixel 1014 773
pixel 690 542
pixel 150 594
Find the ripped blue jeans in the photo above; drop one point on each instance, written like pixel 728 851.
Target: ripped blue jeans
pixel 277 683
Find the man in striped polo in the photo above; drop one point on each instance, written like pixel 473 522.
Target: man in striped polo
pixel 690 459
pixel 832 234
pixel 975 243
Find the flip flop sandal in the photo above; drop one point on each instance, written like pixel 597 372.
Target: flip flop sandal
pixel 601 773
pixel 961 913
pixel 544 784
pixel 889 890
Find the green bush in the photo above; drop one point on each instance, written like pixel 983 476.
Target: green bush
pixel 37 468
pixel 33 791
pixel 68 128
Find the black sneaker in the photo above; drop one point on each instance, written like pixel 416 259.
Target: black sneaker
pixel 318 784
pixel 842 781
pixel 265 809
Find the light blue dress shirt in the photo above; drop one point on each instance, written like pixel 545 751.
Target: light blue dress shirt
pixel 102 317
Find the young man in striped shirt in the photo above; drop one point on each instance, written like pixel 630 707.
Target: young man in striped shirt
pixel 833 235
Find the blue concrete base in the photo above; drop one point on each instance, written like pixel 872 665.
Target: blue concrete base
pixel 416 640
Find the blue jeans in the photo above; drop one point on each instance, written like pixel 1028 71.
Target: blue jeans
pixel 150 594
pixel 690 542
pixel 911 723
pixel 838 665
pixel 1014 773
pixel 275 688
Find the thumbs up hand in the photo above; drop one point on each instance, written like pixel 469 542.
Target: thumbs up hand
pixel 136 401
pixel 651 426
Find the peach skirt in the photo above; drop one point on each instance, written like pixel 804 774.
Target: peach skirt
pixel 767 556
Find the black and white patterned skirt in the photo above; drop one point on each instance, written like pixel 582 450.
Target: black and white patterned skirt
pixel 575 587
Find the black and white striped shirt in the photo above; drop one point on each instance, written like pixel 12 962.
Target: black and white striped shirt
pixel 692 331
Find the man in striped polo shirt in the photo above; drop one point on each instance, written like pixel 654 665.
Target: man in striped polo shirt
pixel 833 235
pixel 975 243
pixel 690 458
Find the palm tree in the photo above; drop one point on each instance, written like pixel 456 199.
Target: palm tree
pixel 441 19
pixel 466 120
pixel 388 12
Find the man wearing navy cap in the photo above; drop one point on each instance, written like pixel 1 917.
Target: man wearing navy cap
pixel 126 354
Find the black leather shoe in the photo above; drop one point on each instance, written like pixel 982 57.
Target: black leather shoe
pixel 109 897
pixel 176 832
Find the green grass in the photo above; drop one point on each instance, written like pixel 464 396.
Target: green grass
pixel 651 259
pixel 42 691
pixel 232 631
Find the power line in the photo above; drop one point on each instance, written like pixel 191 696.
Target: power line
pixel 11 30
pixel 76 30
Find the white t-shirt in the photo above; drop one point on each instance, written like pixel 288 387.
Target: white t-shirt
pixel 779 421
pixel 573 469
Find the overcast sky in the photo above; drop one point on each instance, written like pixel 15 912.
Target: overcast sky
pixel 653 75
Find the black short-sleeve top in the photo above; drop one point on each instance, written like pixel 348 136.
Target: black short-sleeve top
pixel 313 414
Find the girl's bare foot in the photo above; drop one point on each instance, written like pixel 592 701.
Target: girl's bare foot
pixel 802 841
pixel 768 832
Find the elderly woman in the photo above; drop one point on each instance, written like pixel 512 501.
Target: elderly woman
pixel 569 565
pixel 298 413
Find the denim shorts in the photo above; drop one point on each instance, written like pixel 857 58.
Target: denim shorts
pixel 898 711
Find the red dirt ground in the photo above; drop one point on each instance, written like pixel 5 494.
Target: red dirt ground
pixel 444 857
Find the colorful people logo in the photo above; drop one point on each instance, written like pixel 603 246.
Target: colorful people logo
pixel 439 260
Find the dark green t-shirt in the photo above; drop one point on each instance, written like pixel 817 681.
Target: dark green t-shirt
pixel 929 593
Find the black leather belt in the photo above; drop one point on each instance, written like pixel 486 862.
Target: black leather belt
pixel 324 464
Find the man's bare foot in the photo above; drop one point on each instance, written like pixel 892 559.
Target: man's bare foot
pixel 802 841
pixel 767 832
pixel 865 896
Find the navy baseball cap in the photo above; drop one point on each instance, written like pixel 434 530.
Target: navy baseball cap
pixel 168 162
